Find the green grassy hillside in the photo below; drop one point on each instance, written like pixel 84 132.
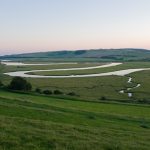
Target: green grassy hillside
pixel 83 121
pixel 86 55
pixel 40 122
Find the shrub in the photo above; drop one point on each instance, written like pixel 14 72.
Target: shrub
pixel 19 83
pixel 57 92
pixel 144 126
pixel 103 98
pixel 71 94
pixel 47 92
pixel 1 84
pixel 38 90
pixel 91 117
pixel 28 86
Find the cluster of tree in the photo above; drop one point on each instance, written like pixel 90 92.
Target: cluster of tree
pixel 17 83
pixel 48 92
pixel 55 92
pixel 20 84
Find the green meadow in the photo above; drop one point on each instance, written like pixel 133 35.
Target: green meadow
pixel 31 121
pixel 93 88
pixel 84 121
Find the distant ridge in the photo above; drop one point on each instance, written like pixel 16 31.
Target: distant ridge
pixel 126 54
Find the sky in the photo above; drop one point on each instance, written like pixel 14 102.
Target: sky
pixel 46 25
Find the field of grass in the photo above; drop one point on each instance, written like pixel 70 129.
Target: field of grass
pixel 93 88
pixel 39 122
pixel 81 122
pixel 85 88
pixel 143 92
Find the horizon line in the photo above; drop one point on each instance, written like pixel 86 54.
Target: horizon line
pixel 74 50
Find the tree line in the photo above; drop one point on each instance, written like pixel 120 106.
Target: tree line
pixel 21 84
pixel 18 84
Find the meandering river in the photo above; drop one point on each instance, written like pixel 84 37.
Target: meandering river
pixel 9 63
pixel 117 73
pixel 130 94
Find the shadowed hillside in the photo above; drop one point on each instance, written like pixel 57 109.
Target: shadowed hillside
pixel 86 55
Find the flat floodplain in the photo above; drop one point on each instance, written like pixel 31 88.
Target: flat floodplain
pixel 93 88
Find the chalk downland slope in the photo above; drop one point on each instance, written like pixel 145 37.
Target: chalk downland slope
pixel 41 122
pixel 87 55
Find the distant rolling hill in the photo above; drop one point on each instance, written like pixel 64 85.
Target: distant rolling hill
pixel 86 55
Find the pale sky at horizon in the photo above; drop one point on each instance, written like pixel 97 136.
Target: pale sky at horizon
pixel 44 25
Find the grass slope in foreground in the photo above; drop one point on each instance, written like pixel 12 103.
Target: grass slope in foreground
pixel 40 122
